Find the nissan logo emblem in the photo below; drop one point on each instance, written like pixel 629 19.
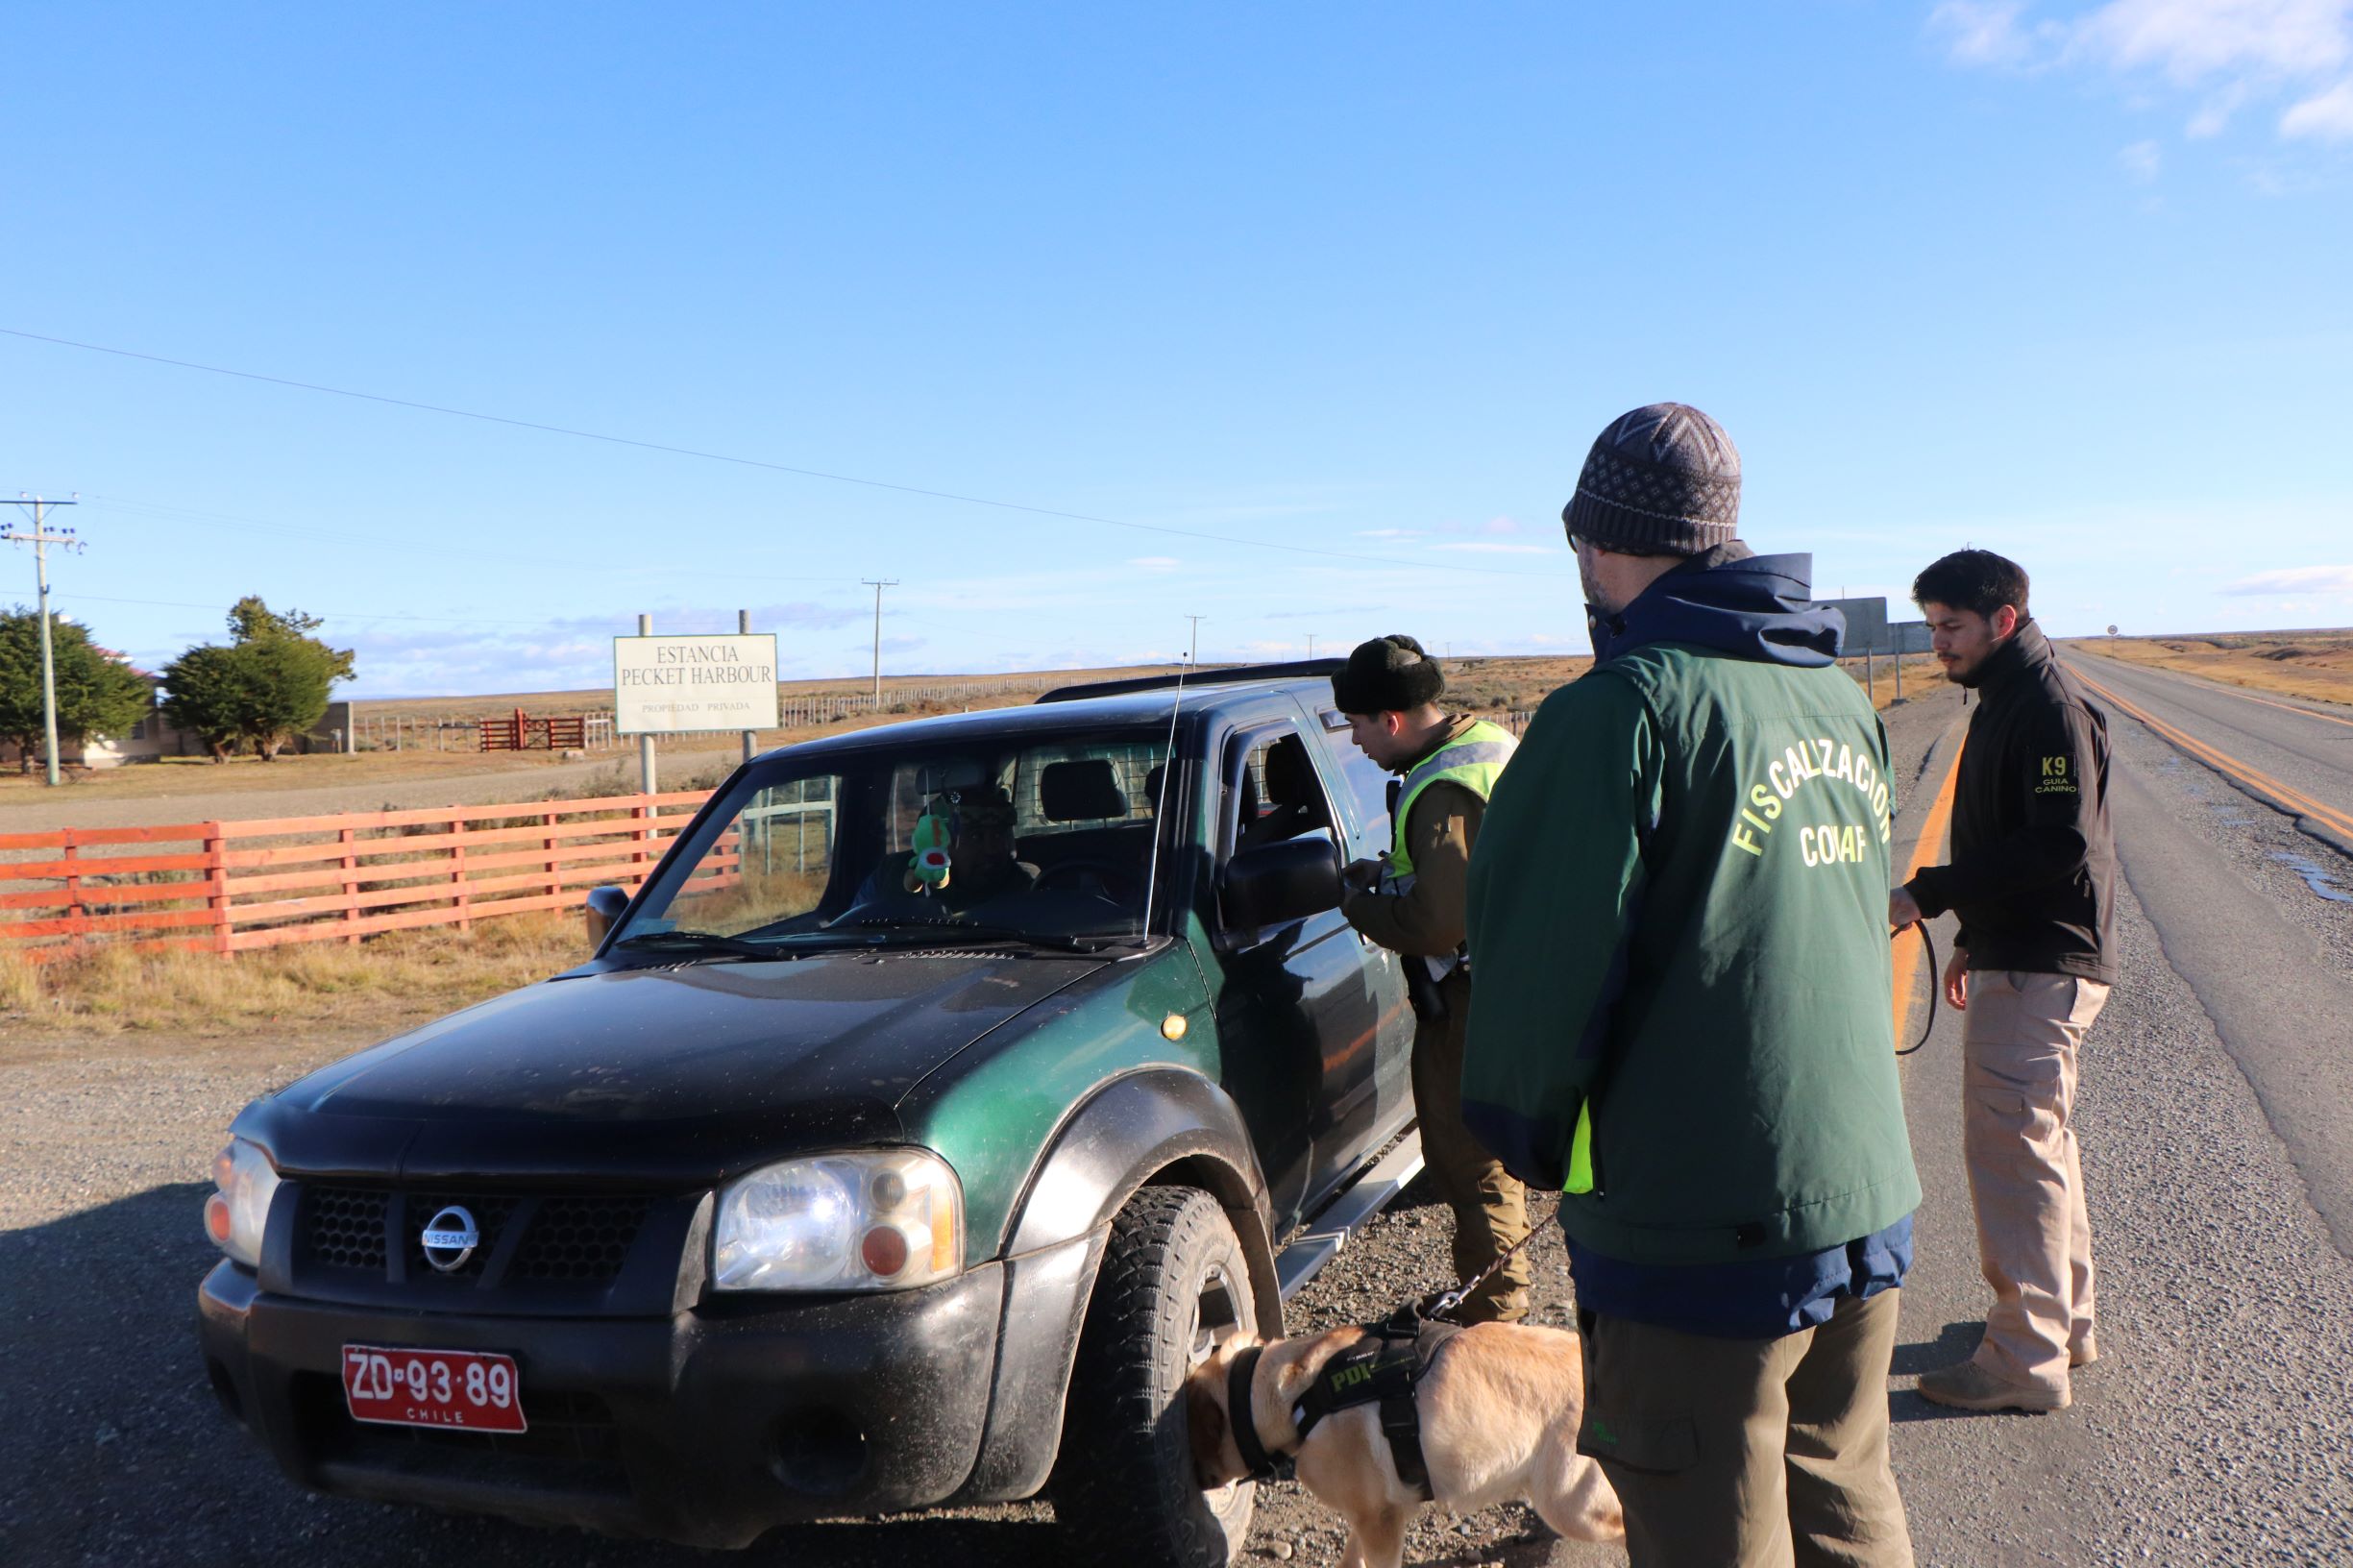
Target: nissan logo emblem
pixel 450 1238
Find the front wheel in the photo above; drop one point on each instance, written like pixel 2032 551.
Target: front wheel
pixel 1173 1285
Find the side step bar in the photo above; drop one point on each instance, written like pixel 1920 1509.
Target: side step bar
pixel 1348 1213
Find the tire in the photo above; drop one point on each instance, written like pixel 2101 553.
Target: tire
pixel 1174 1282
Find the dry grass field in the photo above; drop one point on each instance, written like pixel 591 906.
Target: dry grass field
pixel 2309 664
pixel 255 1002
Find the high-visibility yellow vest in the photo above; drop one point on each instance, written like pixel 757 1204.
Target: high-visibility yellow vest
pixel 1474 760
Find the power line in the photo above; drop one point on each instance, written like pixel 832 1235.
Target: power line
pixel 761 463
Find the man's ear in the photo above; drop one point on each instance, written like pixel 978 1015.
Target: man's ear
pixel 2005 620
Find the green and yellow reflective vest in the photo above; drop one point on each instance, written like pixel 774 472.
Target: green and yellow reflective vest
pixel 1473 759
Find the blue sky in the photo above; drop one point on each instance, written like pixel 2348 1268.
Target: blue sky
pixel 2067 280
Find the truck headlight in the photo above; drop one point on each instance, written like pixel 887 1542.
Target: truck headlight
pixel 235 1215
pixel 882 1221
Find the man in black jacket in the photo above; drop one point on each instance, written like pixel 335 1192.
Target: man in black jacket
pixel 2033 879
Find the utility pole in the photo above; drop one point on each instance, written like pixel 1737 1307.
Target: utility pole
pixel 1310 647
pixel 1193 655
pixel 40 539
pixel 879 584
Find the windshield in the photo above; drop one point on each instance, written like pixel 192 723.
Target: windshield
pixel 1041 835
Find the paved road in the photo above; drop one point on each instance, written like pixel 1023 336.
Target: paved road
pixel 2305 748
pixel 2217 1093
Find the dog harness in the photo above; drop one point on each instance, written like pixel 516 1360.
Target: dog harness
pixel 1383 1368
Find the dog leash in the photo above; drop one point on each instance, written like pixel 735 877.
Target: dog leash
pixel 1453 1299
pixel 1935 985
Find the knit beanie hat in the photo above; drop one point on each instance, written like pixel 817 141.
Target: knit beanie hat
pixel 1662 480
pixel 1388 674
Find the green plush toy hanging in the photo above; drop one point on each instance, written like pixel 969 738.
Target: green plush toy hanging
pixel 935 833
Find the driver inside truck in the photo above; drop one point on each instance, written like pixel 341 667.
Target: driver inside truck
pixel 980 861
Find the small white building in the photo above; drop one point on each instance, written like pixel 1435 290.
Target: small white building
pixel 151 737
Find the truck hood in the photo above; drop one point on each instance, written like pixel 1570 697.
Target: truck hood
pixel 681 1072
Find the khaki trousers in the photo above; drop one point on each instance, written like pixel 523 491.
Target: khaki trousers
pixel 2025 1177
pixel 1489 1204
pixel 1749 1453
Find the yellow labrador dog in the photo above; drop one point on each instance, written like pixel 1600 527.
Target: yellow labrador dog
pixel 1498 1406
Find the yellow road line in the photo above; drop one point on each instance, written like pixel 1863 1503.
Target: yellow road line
pixel 1923 851
pixel 2291 800
pixel 2286 707
pixel 2231 691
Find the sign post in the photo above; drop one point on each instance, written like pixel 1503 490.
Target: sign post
pixel 645 740
pixel 1871 633
pixel 743 627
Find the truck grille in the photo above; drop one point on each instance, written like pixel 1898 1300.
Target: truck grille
pixel 579 1239
pixel 565 1240
pixel 347 1227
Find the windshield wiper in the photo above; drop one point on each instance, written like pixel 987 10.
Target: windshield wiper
pixel 927 928
pixel 711 944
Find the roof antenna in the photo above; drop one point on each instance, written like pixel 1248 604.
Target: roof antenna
pixel 1159 807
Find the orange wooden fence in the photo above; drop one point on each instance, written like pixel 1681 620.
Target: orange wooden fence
pixel 231 886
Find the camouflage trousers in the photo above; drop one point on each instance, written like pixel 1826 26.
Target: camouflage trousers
pixel 1489 1204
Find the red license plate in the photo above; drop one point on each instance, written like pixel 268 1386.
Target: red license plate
pixel 466 1391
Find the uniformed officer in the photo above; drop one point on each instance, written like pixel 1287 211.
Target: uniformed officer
pixel 1410 901
pixel 1684 1022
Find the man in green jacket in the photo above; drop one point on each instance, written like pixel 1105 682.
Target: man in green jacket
pixel 1684 1025
pixel 1411 902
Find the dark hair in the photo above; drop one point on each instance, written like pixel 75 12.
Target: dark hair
pixel 1976 580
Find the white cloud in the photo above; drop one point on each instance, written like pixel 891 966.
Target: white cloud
pixel 2335 580
pixel 2141 161
pixel 1982 32
pixel 2192 41
pixel 2326 116
pixel 1156 563
pixel 1388 533
pixel 1481 547
pixel 2227 53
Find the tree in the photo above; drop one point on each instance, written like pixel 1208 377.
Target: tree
pixel 98 694
pixel 204 695
pixel 269 683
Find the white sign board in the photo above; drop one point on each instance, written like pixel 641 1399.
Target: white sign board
pixel 674 685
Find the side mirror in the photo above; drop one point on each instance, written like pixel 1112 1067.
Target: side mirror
pixel 1288 880
pixel 606 906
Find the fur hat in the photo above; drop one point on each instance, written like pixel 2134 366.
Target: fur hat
pixel 1388 674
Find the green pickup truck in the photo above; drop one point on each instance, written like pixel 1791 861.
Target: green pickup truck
pixel 948 1089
